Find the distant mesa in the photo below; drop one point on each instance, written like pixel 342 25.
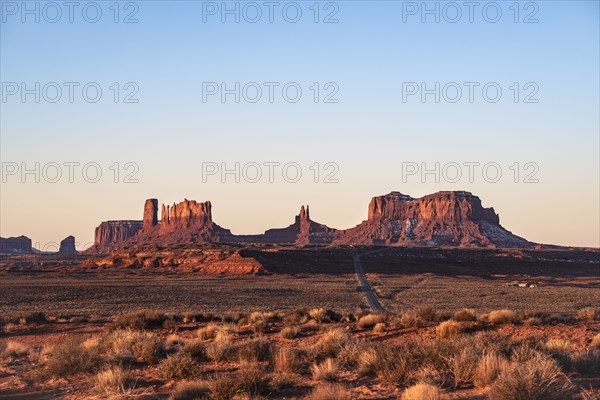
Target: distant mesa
pixel 16 245
pixel 452 218
pixel 67 246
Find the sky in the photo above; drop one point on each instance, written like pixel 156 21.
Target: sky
pixel 106 104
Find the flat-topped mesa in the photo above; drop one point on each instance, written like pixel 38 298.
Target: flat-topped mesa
pixel 445 207
pixel 67 246
pixel 150 214
pixel 112 232
pixel 185 215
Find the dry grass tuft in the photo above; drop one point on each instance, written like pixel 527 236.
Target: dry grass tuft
pixel 178 366
pixel 421 391
pixel 588 314
pixel 539 378
pixel 409 319
pixel 488 370
pixel 331 391
pixel 288 361
pixel 330 343
pixel 208 332
pixel 253 350
pixel 463 366
pixel 290 332
pixel 449 328
pixel 140 320
pixel 191 390
pixel 501 316
pixel 596 341
pixel 14 349
pixel 369 321
pixel 114 381
pixel 465 315
pixel 426 313
pixel 70 358
pixel 325 371
pixel 379 327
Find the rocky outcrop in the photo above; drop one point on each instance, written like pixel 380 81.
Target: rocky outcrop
pixel 186 215
pixel 67 246
pixel 443 218
pixel 111 233
pixel 150 214
pixel 440 219
pixel 186 222
pixel 16 245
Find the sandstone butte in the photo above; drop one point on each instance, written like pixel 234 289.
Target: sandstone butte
pixel 440 219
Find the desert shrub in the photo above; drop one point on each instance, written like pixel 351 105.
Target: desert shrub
pixel 501 316
pixel 297 316
pixel 290 332
pixel 331 391
pixel 462 366
pixel 369 321
pixel 596 341
pixel 25 318
pixel 248 381
pixel 208 332
pixel 233 316
pixel 379 327
pixel 147 346
pixel 14 349
pixel 319 315
pixel 114 381
pixel 140 320
pixel 588 314
pixel 533 321
pixel 190 390
pixel 421 391
pixel 282 380
pixel 488 369
pixel 70 358
pixel 330 343
pixel 491 342
pixel 253 350
pixel 465 315
pixel 524 353
pixel 431 376
pixel 349 355
pixel 288 360
pixel 586 362
pixel 195 348
pixel 539 378
pixel 561 350
pixel 426 313
pixel 259 327
pixel 391 364
pixel 325 371
pixel 170 325
pixel 450 328
pixel 409 319
pixel 220 349
pixel 368 361
pixel 180 365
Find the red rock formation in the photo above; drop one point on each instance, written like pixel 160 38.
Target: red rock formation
pixel 150 214
pixel 442 218
pixel 67 246
pixel 185 215
pixel 110 233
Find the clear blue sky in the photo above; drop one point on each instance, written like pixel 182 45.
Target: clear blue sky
pixel 369 133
